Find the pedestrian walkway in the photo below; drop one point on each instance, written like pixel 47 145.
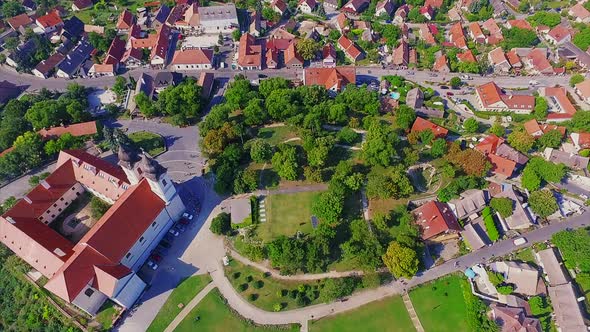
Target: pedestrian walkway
pixel 412 312
pixel 189 307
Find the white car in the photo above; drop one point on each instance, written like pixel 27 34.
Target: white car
pixel 519 241
pixel 173 232
pixel 187 216
pixel 152 265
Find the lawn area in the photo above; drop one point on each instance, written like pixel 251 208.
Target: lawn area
pixel 386 315
pixel 287 214
pixel 276 135
pixel 106 315
pixel 268 295
pixel 215 316
pixel 185 292
pixel 440 305
pixel 526 255
pixel 149 142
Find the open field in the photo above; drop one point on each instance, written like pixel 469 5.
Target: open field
pixel 386 315
pixel 214 316
pixel 287 214
pixel 276 135
pixel 440 305
pixel 184 293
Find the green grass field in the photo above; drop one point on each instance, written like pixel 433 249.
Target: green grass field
pixel 386 315
pixel 184 293
pixel 214 316
pixel 440 305
pixel 149 142
pixel 286 214
pixel 106 314
pixel 276 135
pixel 268 295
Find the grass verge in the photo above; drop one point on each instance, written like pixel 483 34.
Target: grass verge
pixel 149 142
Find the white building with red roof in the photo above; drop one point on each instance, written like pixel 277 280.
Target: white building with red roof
pixel 50 22
pixel 580 13
pixel 307 6
pixel 192 59
pixel 491 98
pixel 333 79
pixel 351 51
pixel 104 262
pixel 249 53
pixel 559 35
pixel 435 219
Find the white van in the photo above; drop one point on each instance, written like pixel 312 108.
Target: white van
pixel 519 241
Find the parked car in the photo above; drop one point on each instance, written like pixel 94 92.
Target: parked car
pixel 169 237
pixel 160 250
pixel 179 228
pixel 519 241
pixel 156 258
pixel 152 265
pixel 444 87
pixel 466 77
pixel 187 216
pixel 184 222
pixel 166 244
pixel 449 93
pixel 173 231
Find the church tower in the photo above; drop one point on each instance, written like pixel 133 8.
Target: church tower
pixel 157 177
pixel 128 159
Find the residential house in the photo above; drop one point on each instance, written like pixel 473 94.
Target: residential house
pixel 580 13
pixel 275 51
pixel 249 53
pixel 571 160
pixel 559 35
pixel 504 159
pixel 384 8
pixel 21 53
pixel 50 22
pixel 115 53
pixel 583 90
pixel 160 17
pixel 558 99
pixel 88 28
pixel 523 276
pixel 569 51
pixel 329 56
pixel 457 36
pixel 342 22
pixel 494 32
pixel 470 202
pixel 29 5
pixel 73 29
pixel 100 70
pixel 401 55
pixel 466 56
pixel 415 98
pixel 45 68
pixel 423 124
pixel 216 19
pixel 255 27
pixel 580 140
pixel 454 15
pixel 191 17
pixel 514 60
pixel 476 33
pixel 427 12
pixel 400 15
pixel 511 319
pixel 176 17
pixel 355 7
pixel 520 218
pixel 145 85
pixel 19 21
pixel 279 6
pixel 333 79
pixel 427 33
pixel 68 68
pixel 351 51
pixel 292 57
pixel 492 99
pixel 435 220
pixel 536 62
pixel 367 31
pixel 441 64
pixel 566 309
pixel 434 3
pixel 79 5
pixel 519 23
pixel 125 21
pixel 104 262
pixel 192 59
pixel 498 60
pixel 307 6
pixel 159 53
pixel 533 128
pixel 206 82
pixel 332 4
pixel 475 234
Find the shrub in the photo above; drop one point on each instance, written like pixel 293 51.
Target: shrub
pixel 252 297
pixel 293 293
pixel 371 280
pixel 258 284
pixel 584 153
pixel 301 288
pixel 282 292
pixel 221 224
pixel 249 278
pixel 505 289
pixel 490 225
pixel 242 287
pixel 236 275
pixel 277 307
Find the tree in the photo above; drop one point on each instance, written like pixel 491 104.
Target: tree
pixel 543 203
pixel 581 121
pixel 236 34
pixel 521 140
pixel 517 37
pixel 405 117
pixel 274 83
pixel 217 140
pixel 455 82
pixel 329 206
pixel 348 136
pixel 120 86
pixel 471 161
pixel 29 150
pixel 98 208
pixel 145 105
pixel 47 114
pixel 426 136
pixel 439 148
pixel 574 245
pixel 64 142
pixel 388 183
pixel 541 107
pixel 544 18
pixel 538 170
pixel 255 113
pixel 11 9
pixel 502 205
pixel 245 181
pixel 471 125
pixel 308 48
pixel 551 139
pixel 336 288
pixel 505 289
pixel 498 130
pixel 379 146
pixel 284 162
pixel 582 38
pixel 401 261
pixel 362 246
pixel 490 224
pixel 11 43
pixel 77 111
pixel 260 151
pixel 221 225
pixel 530 180
pixel 576 78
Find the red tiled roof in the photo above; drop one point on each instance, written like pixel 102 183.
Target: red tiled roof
pixel 559 33
pixel 584 88
pixel 337 77
pixel 560 94
pixel 434 3
pixel 426 34
pixel 532 127
pixel 501 165
pixel 440 64
pixel 125 20
pixel 148 42
pixel 19 21
pixel 513 58
pixel 492 27
pixel 78 129
pixel 193 56
pixel 549 127
pixel 50 20
pixel 329 51
pixel 497 56
pixel 579 11
pixel 349 47
pixel 82 157
pixel 466 56
pixel 162 43
pixel 291 56
pixel 522 24
pixel 249 53
pixel 115 52
pixel 422 124
pixel 435 218
pixel 489 144
pixel 476 30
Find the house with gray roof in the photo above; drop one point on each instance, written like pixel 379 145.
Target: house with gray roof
pixel 216 19
pixel 69 67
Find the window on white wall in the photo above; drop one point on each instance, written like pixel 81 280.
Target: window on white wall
pixel 88 292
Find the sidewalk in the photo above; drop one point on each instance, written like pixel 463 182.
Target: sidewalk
pixel 189 307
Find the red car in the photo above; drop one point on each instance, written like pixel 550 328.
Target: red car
pixel 156 258
pixel 450 93
pixel 184 222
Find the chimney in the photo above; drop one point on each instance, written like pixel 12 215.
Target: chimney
pixel 28 200
pixel 10 220
pixel 45 184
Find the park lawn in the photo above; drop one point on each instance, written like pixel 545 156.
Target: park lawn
pixel 440 305
pixel 386 315
pixel 276 135
pixel 215 316
pixel 183 293
pixel 106 315
pixel 286 214
pixel 267 296
pixel 149 142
